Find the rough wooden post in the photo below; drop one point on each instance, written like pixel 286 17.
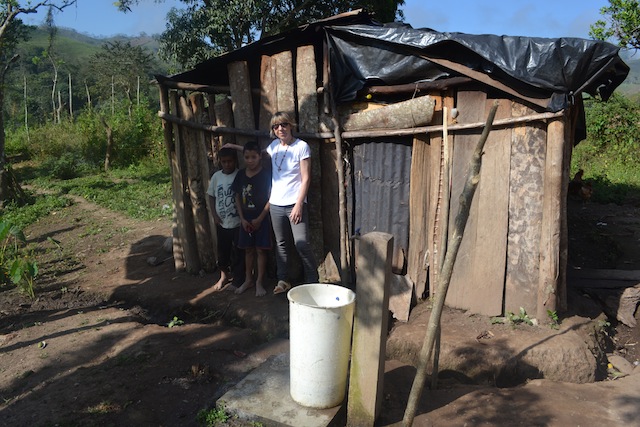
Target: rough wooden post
pixel 375 254
pixel 308 121
pixel 551 229
pixel 193 150
pixel 182 199
pixel 177 226
pixel 202 145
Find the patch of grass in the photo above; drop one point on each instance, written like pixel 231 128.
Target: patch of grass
pixel 39 206
pixel 613 181
pixel 212 417
pixel 140 192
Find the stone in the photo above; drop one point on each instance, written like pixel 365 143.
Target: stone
pixel 621 364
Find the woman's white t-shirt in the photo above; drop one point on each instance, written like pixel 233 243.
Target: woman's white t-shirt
pixel 286 177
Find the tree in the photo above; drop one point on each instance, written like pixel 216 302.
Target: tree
pixel 622 22
pixel 11 33
pixel 210 27
pixel 120 67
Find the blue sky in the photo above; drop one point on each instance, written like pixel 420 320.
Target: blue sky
pixel 544 18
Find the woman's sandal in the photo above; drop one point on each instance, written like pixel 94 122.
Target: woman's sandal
pixel 281 287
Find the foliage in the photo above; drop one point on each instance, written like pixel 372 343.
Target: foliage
pixel 38 207
pixel 212 417
pixel 15 267
pixel 137 134
pixel 521 317
pixel 610 156
pixel 621 21
pixel 121 67
pixel 140 191
pixel 612 128
pixel 175 322
pixel 553 319
pixel 206 29
pixel 514 319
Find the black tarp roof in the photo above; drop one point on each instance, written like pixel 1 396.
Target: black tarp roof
pixel 362 52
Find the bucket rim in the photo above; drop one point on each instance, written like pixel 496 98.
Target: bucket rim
pixel 350 300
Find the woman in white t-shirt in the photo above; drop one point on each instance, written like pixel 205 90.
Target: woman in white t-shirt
pixel 290 179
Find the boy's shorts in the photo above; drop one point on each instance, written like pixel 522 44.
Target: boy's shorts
pixel 260 238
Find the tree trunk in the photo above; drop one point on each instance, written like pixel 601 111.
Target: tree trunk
pixel 107 156
pixel 70 99
pixel 26 110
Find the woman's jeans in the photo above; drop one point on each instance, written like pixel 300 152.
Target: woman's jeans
pixel 284 229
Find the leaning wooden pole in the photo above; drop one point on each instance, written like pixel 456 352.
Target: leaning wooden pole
pixel 345 272
pixel 447 269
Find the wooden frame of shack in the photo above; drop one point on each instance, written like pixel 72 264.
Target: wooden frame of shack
pixel 392 115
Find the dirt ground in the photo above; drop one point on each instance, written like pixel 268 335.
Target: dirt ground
pixel 113 340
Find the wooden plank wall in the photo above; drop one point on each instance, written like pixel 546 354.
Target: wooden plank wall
pixel 417 257
pixel 478 278
pixel 528 154
pixel 471 105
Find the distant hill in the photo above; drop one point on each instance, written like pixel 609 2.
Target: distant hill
pixel 77 47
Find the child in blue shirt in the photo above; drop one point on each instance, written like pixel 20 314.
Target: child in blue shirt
pixel 252 188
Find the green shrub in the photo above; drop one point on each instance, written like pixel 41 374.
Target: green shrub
pixel 15 267
pixel 610 156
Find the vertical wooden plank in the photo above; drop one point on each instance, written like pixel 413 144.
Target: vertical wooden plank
pixel 177 225
pixel 471 108
pixel 224 117
pixel 183 203
pixel 285 91
pixel 526 177
pixel 418 213
pixel 241 101
pixel 202 145
pixel 551 228
pixel 268 99
pixel 486 288
pixel 308 121
pixel 193 150
pixel 214 141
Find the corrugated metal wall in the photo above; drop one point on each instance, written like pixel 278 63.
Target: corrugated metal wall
pixel 380 193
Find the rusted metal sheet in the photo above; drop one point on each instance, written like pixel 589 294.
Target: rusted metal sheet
pixel 382 172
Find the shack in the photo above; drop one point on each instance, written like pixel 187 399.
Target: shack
pixel 392 115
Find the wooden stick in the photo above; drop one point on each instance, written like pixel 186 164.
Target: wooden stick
pixel 447 269
pixel 444 217
pixel 342 210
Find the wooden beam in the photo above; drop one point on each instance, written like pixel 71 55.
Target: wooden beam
pixel 364 134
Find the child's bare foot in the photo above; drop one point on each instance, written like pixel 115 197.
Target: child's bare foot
pixel 260 290
pixel 246 285
pixel 220 283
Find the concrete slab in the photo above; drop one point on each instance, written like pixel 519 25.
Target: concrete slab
pixel 263 396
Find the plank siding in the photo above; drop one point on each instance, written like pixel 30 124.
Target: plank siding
pixel 528 154
pixel 471 106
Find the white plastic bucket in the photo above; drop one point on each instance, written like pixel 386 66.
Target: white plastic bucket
pixel 320 323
